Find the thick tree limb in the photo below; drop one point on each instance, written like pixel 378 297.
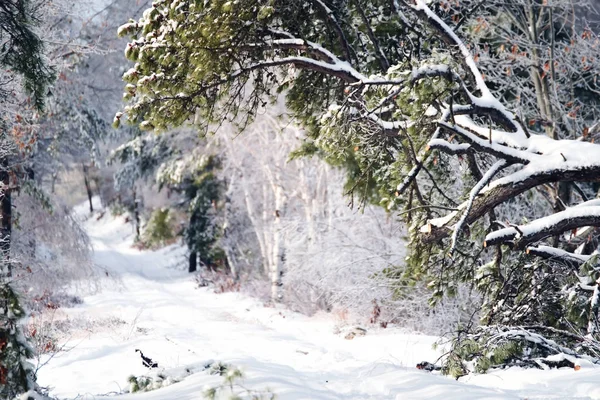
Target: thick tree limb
pixel 555 224
pixel 505 190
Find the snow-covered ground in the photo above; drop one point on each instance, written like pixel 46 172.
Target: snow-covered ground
pixel 149 302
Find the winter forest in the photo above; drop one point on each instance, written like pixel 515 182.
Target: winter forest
pixel 299 199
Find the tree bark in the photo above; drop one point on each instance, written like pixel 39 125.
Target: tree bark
pixel 193 262
pixel 278 253
pixel 6 214
pixel 88 187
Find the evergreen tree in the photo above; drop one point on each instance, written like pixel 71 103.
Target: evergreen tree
pixel 193 175
pixel 17 374
pixel 202 190
pixel 22 51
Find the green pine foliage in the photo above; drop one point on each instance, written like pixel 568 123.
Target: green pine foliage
pixel 159 230
pixel 196 178
pixel 17 375
pixel 474 351
pixel 22 49
pixel 148 383
pixel 232 387
pixel 204 191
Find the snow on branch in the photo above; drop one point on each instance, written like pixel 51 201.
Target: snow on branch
pixel 543 159
pixel 488 146
pixel 506 188
pixel 550 346
pixel 552 253
pixel 487 100
pixel 555 224
pixel 449 148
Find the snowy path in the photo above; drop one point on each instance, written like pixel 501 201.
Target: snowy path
pixel 147 302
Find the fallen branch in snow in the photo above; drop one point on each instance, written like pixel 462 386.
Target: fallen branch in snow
pixel 491 347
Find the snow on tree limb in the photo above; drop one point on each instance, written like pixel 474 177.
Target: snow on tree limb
pixel 523 235
pixel 544 160
pixel 552 253
pixel 506 188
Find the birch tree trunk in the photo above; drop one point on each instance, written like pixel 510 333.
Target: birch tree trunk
pixel 278 254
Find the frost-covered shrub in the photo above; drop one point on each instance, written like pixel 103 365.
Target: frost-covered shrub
pixel 50 252
pixel 355 264
pixel 45 330
pixel 117 209
pixel 219 280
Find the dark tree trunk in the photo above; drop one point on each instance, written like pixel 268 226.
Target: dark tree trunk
pixel 96 180
pixel 136 214
pixel 6 214
pixel 189 238
pixel 54 177
pixel 88 187
pixel 193 262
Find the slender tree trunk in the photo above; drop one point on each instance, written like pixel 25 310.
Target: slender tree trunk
pixel 544 100
pixel 307 199
pixel 267 230
pixel 190 235
pixel 278 242
pixel 88 187
pixel 96 180
pixel 256 223
pixel 136 214
pixel 54 177
pixel 6 214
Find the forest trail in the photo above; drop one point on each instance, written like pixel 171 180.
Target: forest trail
pixel 147 301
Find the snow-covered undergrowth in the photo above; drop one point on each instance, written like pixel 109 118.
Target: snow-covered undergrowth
pixel 161 311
